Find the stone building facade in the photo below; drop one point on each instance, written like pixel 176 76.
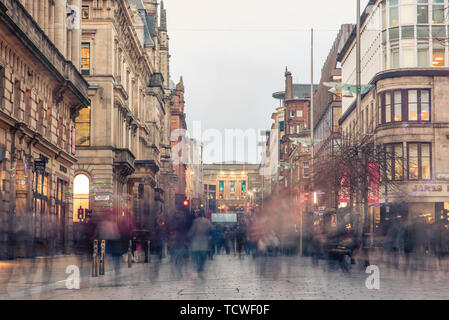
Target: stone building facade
pixel 236 185
pixel 123 139
pixel 41 93
pixel 179 142
pixel 405 110
pixel 327 113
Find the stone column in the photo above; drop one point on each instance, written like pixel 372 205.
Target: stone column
pixel 35 9
pixel 51 21
pixel 76 37
pixel 40 13
pixel 60 26
pixel 46 16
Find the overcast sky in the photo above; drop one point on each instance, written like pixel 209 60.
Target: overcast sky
pixel 232 55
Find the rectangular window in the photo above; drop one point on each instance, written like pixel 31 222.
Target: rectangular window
pixel 394 55
pixel 27 114
pixel 413 105
pixel 413 163
pixel 408 32
pixel 423 54
pixel 438 54
pixel 394 16
pixel 221 186
pixel 85 12
pixel 243 186
pixel 299 113
pixel 437 13
pixel 85 58
pixel 397 116
pixel 423 14
pixel 394 33
pixel 419 161
pixel 292 114
pixel 425 105
pixel 232 185
pixel 305 166
pixel 439 32
pixel 387 107
pixel 82 128
pixel 16 104
pixel 394 164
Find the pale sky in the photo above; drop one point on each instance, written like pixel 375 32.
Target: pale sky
pixel 232 55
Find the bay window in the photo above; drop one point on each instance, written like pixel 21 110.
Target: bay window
pixel 404 105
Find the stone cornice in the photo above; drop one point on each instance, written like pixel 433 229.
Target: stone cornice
pixel 20 23
pixel 125 27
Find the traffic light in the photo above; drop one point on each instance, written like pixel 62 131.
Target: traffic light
pixel 80 213
pixel 186 203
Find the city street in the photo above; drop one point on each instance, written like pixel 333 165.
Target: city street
pixel 230 277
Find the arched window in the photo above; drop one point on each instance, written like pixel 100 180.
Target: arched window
pixel 81 185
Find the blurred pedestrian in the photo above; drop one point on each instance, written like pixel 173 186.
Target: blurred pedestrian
pixel 199 235
pixel 108 230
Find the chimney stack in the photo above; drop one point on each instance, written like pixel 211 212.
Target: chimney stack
pixel 288 85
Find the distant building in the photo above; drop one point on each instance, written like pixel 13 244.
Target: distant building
pixel 236 186
pixel 327 113
pixel 179 142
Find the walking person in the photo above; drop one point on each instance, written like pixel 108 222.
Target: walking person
pixel 199 234
pixel 108 230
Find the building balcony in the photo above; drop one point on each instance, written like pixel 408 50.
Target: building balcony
pixel 124 160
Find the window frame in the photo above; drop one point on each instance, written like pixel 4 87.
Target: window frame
pixel 90 128
pixel 419 144
pixel 86 72
pixel 405 116
pixel 393 161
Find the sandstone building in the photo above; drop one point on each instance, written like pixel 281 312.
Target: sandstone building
pixel 123 139
pixel 41 93
pixel 405 60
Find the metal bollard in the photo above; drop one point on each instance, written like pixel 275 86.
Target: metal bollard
pixel 235 246
pixel 149 251
pixel 130 253
pixel 95 260
pixel 102 256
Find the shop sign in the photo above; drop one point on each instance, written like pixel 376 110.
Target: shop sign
pixel 428 188
pixel 102 198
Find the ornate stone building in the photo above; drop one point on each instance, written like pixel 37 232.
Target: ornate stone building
pixel 124 137
pixel 41 93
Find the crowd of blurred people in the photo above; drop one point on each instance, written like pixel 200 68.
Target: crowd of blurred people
pixel 186 239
